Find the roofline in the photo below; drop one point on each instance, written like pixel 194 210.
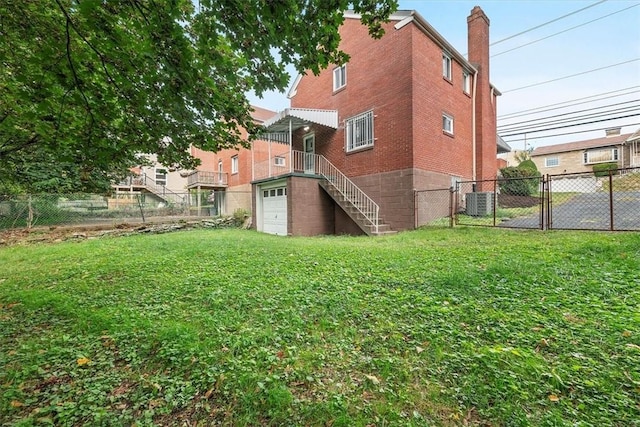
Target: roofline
pixel 404 17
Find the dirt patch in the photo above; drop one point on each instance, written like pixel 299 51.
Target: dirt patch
pixel 82 232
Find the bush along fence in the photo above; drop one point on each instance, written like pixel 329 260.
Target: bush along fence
pixel 41 210
pixel 606 199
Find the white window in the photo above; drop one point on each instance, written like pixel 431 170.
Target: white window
pixel 359 131
pixel 278 161
pixel 339 77
pixel 234 164
pixel 466 82
pixel 447 123
pixel 446 66
pixel 600 156
pixel 550 162
pixel 161 176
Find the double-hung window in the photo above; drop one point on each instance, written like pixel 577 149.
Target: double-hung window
pixel 466 82
pixel 359 131
pixel 234 164
pixel 339 77
pixel 447 123
pixel 446 66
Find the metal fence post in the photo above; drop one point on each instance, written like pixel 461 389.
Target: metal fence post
pixel 611 226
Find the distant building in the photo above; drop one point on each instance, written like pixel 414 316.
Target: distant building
pixel 580 156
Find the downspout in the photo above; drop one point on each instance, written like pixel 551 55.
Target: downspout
pixel 473 125
pixel 253 164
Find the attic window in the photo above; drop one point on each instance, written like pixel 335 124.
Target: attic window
pixel 446 66
pixel 339 77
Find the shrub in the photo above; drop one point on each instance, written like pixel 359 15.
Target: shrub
pixel 603 169
pixel 519 181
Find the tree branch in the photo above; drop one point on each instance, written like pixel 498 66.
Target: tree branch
pixel 75 74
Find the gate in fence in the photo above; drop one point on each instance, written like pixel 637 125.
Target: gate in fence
pixel 580 201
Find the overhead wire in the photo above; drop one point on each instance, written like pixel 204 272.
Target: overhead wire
pixel 570 76
pixel 571 121
pixel 528 131
pixel 528 138
pixel 546 23
pixel 563 31
pixel 570 103
pixel 556 116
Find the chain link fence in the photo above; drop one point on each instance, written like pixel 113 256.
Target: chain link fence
pixel 609 200
pixel 41 210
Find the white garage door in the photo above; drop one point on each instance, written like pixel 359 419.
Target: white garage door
pixel 274 211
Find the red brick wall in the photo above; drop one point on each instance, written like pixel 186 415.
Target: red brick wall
pixel 311 211
pixel 378 79
pixel 433 95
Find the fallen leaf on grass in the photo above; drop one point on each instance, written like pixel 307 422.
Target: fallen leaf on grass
pixel 83 361
pixel 637 347
pixel 554 398
pixel 373 379
pixel 419 349
pixel 16 404
pixel 626 334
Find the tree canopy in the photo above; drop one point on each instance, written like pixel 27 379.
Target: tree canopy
pixel 86 86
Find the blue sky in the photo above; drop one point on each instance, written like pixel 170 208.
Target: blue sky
pixel 606 41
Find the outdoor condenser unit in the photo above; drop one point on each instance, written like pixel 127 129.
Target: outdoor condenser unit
pixel 479 204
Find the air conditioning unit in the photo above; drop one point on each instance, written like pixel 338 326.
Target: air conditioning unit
pixel 479 204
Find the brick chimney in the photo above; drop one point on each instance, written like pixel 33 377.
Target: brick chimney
pixel 485 98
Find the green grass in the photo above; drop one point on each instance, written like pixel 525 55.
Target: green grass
pixel 436 327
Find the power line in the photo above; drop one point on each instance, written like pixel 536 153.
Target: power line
pixel 573 125
pixel 572 113
pixel 544 108
pixel 566 121
pixel 570 76
pixel 564 31
pixel 564 134
pixel 547 23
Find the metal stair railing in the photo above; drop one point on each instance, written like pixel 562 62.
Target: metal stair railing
pixel 351 192
pixel 161 190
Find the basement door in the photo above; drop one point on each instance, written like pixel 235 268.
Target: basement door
pixel 274 210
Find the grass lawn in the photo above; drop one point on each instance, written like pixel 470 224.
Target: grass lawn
pixel 436 327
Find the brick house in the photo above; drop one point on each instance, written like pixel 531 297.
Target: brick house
pixel 407 112
pixel 580 156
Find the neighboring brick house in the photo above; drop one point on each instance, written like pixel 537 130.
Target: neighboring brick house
pixel 408 112
pixel 580 156
pixel 229 172
pixel 218 186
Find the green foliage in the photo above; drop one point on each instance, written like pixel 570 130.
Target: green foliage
pixel 85 86
pixel 528 164
pixel 604 169
pixel 519 181
pixel 435 327
pixel 239 215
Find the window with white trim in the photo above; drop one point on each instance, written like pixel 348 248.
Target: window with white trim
pixel 447 123
pixel 359 131
pixel 600 156
pixel 339 77
pixel 234 164
pixel 278 161
pixel 446 66
pixel 550 162
pixel 161 176
pixel 466 82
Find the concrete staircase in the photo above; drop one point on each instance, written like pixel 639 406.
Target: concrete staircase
pixel 349 204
